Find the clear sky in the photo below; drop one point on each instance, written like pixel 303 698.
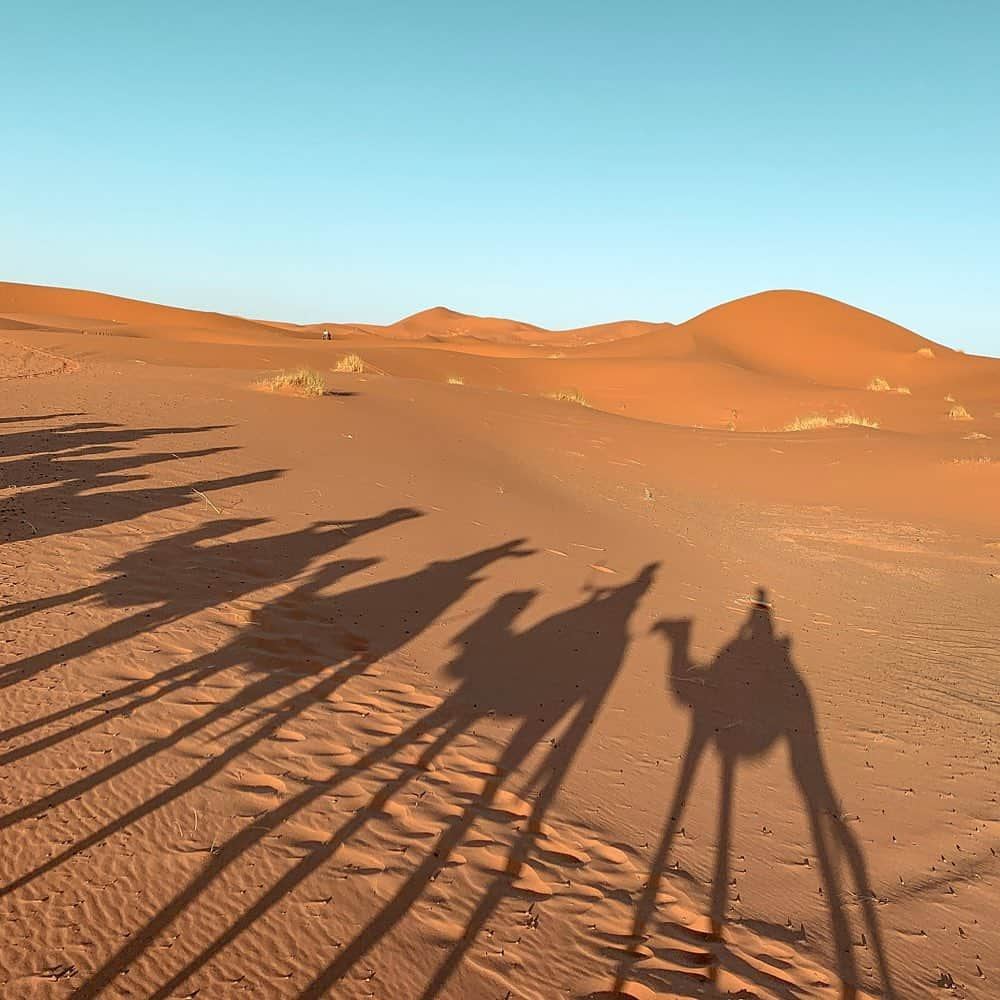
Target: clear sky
pixel 559 161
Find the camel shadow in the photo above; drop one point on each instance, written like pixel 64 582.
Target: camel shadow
pixel 550 680
pixel 547 681
pixel 353 630
pixel 63 477
pixel 747 700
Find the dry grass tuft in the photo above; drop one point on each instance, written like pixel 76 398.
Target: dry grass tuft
pixel 301 381
pixel 456 380
pixel 817 422
pixel 879 384
pixel 570 396
pixel 810 423
pixel 925 352
pixel 852 419
pixel 959 412
pixel 350 364
pixel 976 436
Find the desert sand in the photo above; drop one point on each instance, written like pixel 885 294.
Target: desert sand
pixel 437 685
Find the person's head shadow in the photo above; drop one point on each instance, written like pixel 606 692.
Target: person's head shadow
pixel 746 700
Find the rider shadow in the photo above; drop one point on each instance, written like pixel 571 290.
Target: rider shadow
pixel 747 700
pixel 181 575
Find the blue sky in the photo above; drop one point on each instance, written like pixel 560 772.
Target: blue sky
pixel 559 162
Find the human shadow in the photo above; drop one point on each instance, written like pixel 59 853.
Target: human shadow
pixel 747 700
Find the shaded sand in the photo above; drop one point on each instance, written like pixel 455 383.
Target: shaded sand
pixel 433 690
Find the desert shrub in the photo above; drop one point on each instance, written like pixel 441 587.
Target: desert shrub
pixel 959 412
pixel 851 419
pixel 302 381
pixel 350 364
pixel 569 396
pixel 879 384
pixel 816 421
pixel 456 380
pixel 810 423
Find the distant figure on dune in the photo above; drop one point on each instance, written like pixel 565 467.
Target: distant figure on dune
pixel 742 703
pixel 326 335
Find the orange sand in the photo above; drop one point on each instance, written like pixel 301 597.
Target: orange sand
pixel 394 692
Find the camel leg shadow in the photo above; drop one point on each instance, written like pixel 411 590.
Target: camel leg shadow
pixel 547 778
pixel 697 744
pixel 830 833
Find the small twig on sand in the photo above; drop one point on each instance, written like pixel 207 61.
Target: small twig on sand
pixel 205 498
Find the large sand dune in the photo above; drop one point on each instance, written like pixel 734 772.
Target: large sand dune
pixel 422 689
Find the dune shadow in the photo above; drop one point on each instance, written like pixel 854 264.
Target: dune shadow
pixel 748 699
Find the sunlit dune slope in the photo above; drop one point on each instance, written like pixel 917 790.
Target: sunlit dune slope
pixel 440 323
pixel 807 336
pixel 71 309
pixel 753 364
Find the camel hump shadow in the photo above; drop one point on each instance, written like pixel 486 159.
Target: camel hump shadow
pixel 542 671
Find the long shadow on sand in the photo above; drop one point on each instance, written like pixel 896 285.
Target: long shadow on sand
pixel 544 685
pixel 750 697
pixel 178 576
pixel 296 663
pixel 548 680
pixel 66 477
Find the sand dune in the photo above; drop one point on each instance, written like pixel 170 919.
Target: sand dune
pixel 435 687
pixel 72 309
pixel 440 323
